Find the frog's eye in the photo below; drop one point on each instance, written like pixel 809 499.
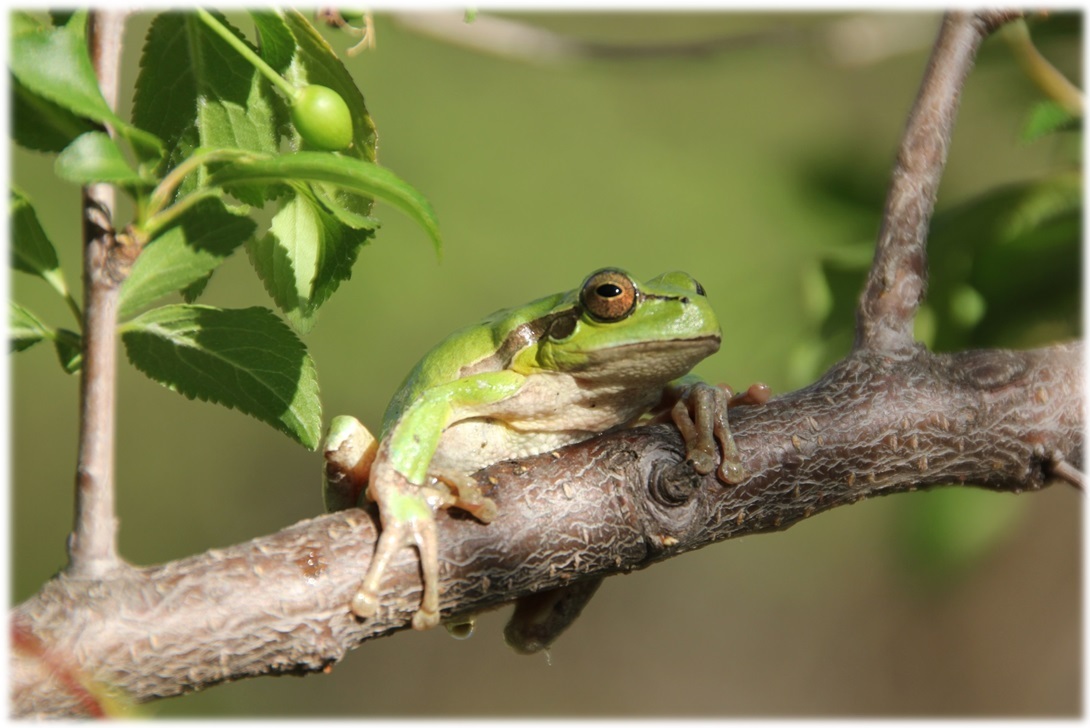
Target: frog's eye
pixel 609 295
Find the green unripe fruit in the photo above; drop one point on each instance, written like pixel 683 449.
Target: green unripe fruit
pixel 322 118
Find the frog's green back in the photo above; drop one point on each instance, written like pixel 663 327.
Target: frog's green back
pixel 468 348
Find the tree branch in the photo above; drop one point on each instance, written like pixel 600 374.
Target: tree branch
pixel 889 418
pixel 92 547
pixel 278 604
pixel 846 41
pixel 897 280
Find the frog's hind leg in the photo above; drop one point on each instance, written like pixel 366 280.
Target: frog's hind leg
pixel 422 534
pixel 427 544
pixel 365 602
pixel 407 515
pixel 540 618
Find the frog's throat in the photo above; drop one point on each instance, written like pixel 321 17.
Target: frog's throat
pixel 672 358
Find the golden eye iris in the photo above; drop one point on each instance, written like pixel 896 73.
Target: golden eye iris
pixel 609 295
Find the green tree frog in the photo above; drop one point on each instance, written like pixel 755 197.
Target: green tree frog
pixel 528 380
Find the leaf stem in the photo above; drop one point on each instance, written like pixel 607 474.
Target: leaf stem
pixel 239 45
pixel 160 196
pixel 56 281
pixel 1046 76
pixel 73 306
pixel 164 219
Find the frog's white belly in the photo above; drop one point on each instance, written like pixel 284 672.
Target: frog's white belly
pixel 472 444
pixel 551 411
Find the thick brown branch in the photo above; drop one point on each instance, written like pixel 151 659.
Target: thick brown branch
pixel 897 279
pixel 871 426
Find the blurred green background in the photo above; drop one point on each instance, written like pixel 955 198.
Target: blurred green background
pixel 761 169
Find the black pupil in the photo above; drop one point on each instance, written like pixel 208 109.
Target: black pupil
pixel 608 290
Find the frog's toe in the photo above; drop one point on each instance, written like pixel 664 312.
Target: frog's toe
pixel 484 511
pixel 425 619
pixel 702 461
pixel 732 472
pixel 364 604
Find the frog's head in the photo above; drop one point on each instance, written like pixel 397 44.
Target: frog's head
pixel 614 327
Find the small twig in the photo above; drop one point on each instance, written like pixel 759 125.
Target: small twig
pixel 897 279
pixel 92 547
pixel 1065 471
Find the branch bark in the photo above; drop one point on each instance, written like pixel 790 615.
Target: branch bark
pixel 891 417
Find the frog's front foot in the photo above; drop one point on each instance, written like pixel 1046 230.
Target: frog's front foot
pixel 701 416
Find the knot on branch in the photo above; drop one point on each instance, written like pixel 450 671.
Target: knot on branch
pixel 672 484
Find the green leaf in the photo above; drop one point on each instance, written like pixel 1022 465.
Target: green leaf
pixel 20 21
pixel 40 124
pixel 1038 204
pixel 31 250
pixel 304 257
pixel 352 175
pixel 194 90
pixel 1045 118
pixel 194 290
pixel 69 348
pixel 61 17
pixel 54 63
pixel 24 328
pixel 184 254
pixel 245 359
pixel 339 203
pixel 94 157
pixel 277 42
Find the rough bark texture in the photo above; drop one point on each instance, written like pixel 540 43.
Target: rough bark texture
pixel 889 418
